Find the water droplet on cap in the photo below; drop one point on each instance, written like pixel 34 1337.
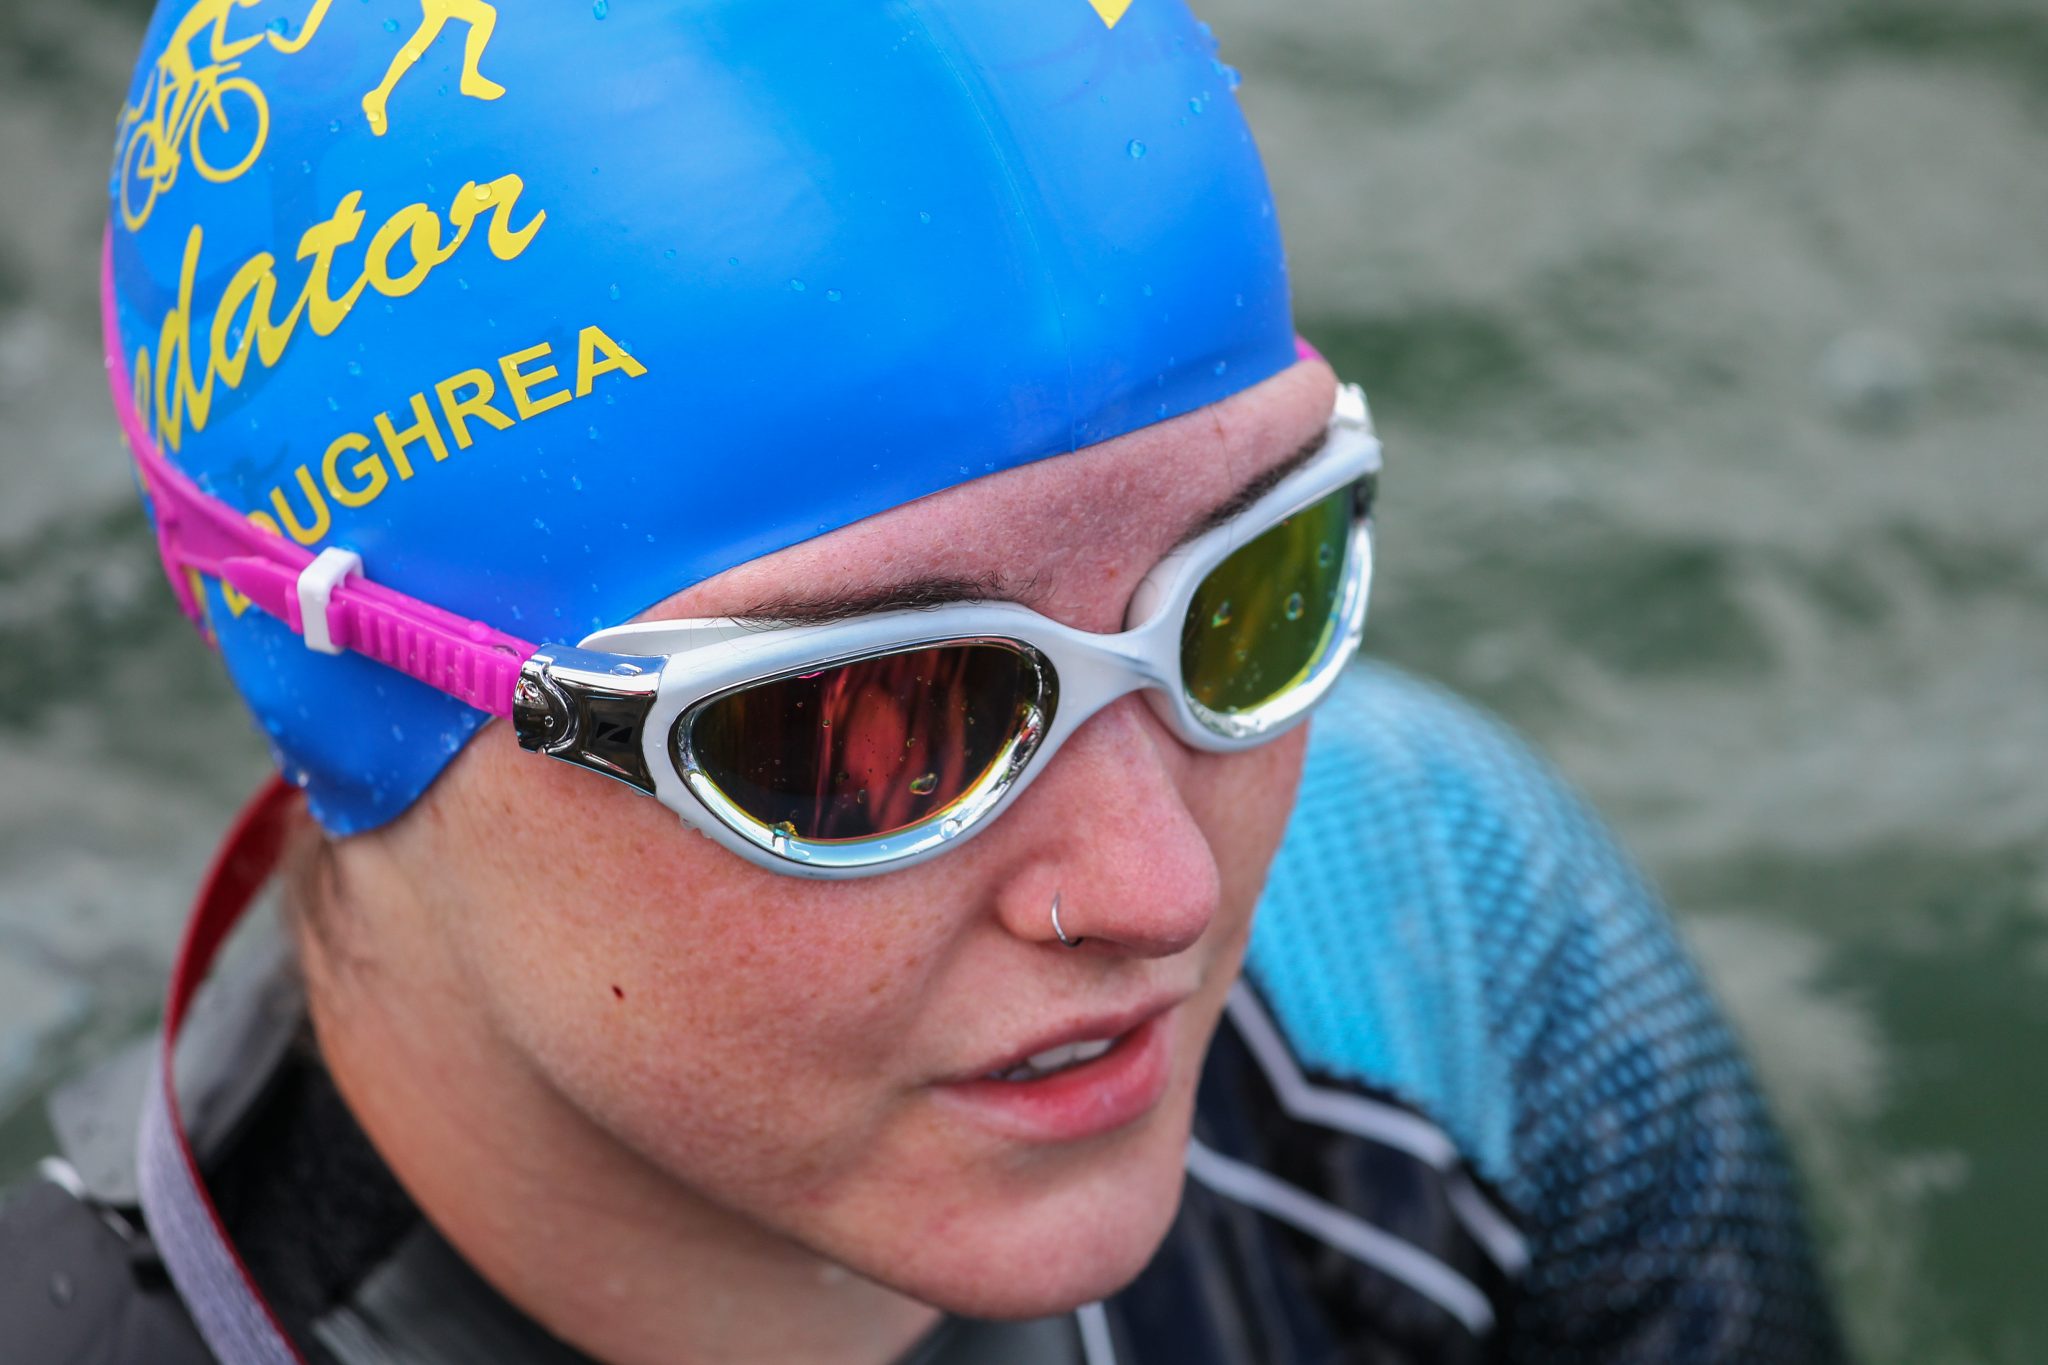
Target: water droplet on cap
pixel 1135 148
pixel 391 26
pixel 833 296
pixel 1294 606
pixel 796 286
pixel 925 784
pixel 601 8
pixel 1221 616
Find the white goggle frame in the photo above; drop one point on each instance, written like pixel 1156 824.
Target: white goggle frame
pixel 621 702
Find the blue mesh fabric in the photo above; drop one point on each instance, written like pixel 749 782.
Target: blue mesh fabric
pixel 1448 923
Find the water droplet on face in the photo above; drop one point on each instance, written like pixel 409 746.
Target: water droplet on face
pixel 576 481
pixel 332 405
pixel 1198 104
pixel 833 296
pixel 601 8
pixel 796 286
pixel 355 367
pixel 480 194
pixel 1221 617
pixel 1135 148
pixel 391 26
pixel 1294 606
pixel 669 255
pixel 925 784
pixel 924 216
pixel 614 291
pixel 1239 298
pixel 1326 555
pixel 1222 365
pixel 334 125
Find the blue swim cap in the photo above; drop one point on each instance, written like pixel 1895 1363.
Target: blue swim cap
pixel 549 313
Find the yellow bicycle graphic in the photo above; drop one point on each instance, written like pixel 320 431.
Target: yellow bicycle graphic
pixel 188 119
pixel 195 107
pixel 201 111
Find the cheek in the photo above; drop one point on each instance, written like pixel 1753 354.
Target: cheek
pixel 691 1004
pixel 1242 803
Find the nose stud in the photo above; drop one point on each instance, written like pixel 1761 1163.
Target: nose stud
pixel 1070 942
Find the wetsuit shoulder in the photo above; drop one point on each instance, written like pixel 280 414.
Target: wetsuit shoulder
pixel 82 1287
pixel 1449 923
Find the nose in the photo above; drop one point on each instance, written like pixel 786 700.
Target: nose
pixel 1107 830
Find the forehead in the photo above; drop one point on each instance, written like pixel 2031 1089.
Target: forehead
pixel 1064 535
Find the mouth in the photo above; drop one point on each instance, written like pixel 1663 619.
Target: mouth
pixel 1091 1078
pixel 1054 1060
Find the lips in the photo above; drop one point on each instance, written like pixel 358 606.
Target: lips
pixel 1089 1078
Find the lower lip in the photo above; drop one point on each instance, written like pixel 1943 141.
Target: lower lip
pixel 1117 1088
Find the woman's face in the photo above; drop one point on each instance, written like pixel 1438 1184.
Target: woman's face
pixel 808 1054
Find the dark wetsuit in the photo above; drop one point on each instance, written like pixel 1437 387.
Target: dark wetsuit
pixel 1470 1103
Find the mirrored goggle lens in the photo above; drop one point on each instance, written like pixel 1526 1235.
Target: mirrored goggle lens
pixel 1263 617
pixel 868 748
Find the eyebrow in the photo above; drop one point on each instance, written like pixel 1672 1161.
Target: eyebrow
pixel 926 594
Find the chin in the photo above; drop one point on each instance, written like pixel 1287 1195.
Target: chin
pixel 1054 1249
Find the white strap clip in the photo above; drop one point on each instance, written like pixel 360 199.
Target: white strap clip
pixel 317 582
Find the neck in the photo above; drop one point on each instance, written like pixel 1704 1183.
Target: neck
pixel 595 1243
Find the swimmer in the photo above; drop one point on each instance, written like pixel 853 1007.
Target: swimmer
pixel 827 808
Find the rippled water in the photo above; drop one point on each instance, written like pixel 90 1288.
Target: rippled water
pixel 1711 343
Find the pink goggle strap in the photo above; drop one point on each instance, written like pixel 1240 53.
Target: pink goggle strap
pixel 196 532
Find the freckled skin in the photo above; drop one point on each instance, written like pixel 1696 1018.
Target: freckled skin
pixel 655 1093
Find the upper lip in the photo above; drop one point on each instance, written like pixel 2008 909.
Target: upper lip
pixel 1086 1029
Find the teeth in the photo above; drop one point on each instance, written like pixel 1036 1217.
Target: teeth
pixel 1056 1059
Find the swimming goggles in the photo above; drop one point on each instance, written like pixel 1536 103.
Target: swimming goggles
pixel 855 746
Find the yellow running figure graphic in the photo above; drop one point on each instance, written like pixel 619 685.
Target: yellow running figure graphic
pixel 481 17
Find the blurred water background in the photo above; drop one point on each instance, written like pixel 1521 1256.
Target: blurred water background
pixel 1711 345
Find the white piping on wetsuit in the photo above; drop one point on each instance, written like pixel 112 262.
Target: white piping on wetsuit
pixel 1347 1232
pixel 1377 1122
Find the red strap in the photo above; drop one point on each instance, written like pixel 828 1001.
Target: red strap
pixel 211 1278
pixel 244 862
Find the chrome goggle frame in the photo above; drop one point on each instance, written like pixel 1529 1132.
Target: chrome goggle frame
pixel 622 702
